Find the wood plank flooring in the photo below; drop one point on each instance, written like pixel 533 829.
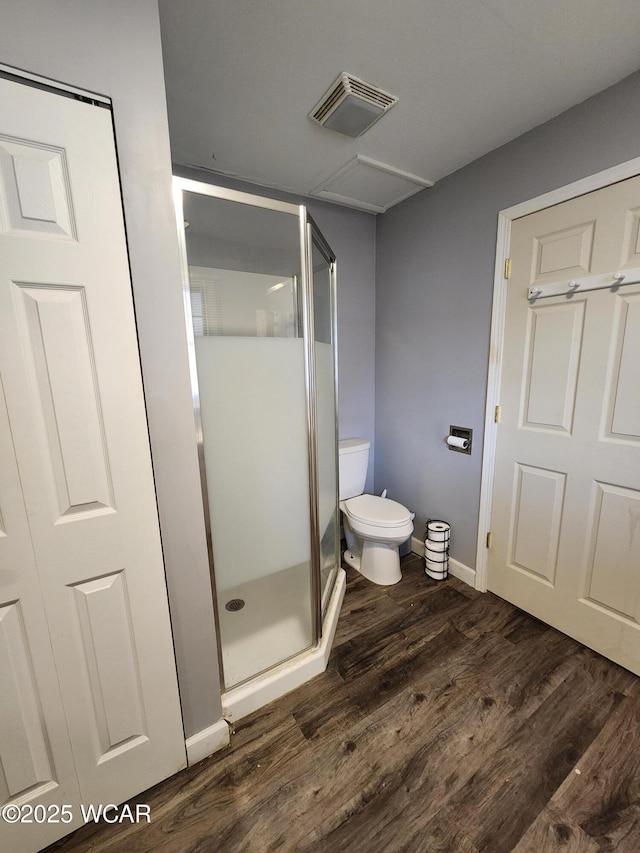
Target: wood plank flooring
pixel 446 721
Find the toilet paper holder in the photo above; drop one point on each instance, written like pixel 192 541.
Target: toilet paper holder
pixel 464 436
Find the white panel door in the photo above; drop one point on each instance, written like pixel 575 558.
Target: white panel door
pixel 566 502
pixel 36 764
pixel 75 456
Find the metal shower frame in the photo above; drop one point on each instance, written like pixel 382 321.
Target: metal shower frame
pixel 309 235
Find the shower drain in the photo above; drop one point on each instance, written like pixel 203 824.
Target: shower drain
pixel 235 604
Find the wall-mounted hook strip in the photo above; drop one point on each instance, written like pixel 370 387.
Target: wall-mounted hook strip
pixel 601 281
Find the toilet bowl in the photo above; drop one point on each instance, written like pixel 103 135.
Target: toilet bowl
pixel 374 527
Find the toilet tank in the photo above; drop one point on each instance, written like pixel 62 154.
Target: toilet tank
pixel 353 464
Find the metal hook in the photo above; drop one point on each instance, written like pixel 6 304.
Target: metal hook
pixel 618 277
pixel 573 285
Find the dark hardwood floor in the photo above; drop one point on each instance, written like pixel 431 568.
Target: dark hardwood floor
pixel 446 721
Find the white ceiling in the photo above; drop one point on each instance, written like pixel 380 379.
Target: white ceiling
pixel 470 75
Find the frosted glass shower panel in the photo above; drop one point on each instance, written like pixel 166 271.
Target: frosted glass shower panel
pixel 245 303
pixel 255 450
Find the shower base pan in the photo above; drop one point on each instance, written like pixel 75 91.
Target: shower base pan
pixel 239 701
pixel 264 622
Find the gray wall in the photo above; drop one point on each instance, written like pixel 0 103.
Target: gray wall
pixel 434 288
pixel 351 235
pixel 114 49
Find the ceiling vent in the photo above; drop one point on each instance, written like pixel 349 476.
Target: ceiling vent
pixel 351 106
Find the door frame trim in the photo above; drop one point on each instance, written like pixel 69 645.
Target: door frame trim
pixel 628 169
pixel 20 75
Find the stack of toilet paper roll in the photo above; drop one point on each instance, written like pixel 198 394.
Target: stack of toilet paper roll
pixel 436 549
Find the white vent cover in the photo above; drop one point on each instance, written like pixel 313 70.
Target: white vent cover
pixel 351 106
pixel 370 185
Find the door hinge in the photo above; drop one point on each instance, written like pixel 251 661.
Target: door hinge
pixel 497 415
pixel 488 539
pixel 507 268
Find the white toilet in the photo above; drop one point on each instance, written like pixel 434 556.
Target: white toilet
pixel 374 527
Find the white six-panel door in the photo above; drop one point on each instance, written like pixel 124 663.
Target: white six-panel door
pixel 88 690
pixel 566 501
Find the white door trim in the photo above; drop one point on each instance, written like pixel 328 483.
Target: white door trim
pixel 63 88
pixel 629 169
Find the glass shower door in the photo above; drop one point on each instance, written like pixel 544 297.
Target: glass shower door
pixel 243 302
pixel 323 268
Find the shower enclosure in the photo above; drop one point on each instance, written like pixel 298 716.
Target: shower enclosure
pixel 259 299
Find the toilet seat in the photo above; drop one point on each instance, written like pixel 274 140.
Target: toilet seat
pixel 377 511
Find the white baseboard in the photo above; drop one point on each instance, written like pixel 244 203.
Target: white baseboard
pixel 462 572
pixel 456 568
pixel 207 741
